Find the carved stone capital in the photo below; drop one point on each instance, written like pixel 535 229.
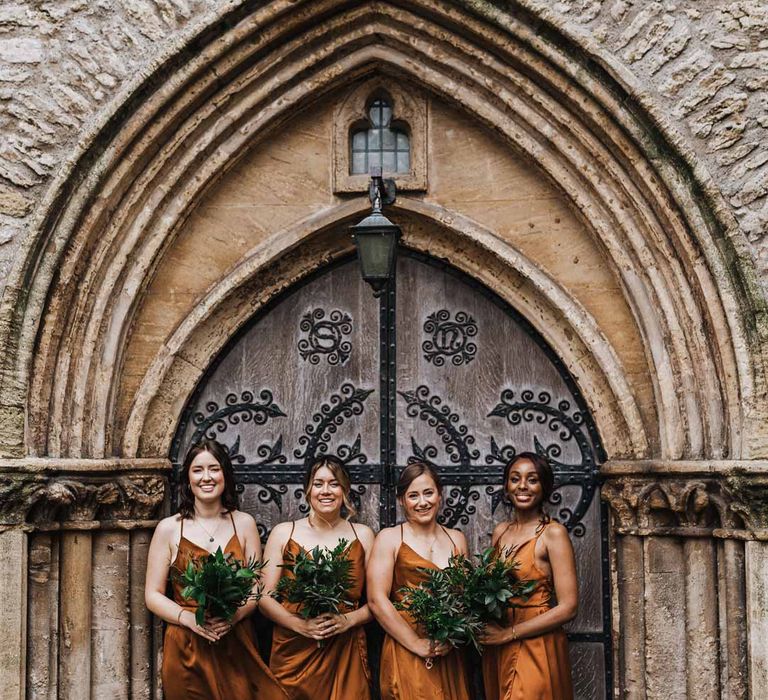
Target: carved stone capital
pixel 40 499
pixel 655 502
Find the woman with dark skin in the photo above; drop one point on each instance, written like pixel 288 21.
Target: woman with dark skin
pixel 527 658
pixel 219 659
pixel 337 669
pixel 399 554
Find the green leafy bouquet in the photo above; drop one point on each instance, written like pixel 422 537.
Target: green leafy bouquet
pixel 319 583
pixel 220 583
pixel 491 584
pixel 454 604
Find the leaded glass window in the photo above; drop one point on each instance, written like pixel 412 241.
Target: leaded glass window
pixel 381 143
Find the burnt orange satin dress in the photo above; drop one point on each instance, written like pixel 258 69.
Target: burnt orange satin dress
pixel 537 668
pixel 195 669
pixel 403 675
pixel 339 669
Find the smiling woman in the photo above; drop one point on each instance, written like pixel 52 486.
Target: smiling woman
pixel 218 659
pixel 412 665
pixel 323 657
pixel 528 656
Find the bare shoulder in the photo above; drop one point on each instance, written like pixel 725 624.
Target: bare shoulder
pixel 244 521
pixel 389 536
pixel 457 536
pixel 365 534
pixel 280 533
pixel 556 534
pixel 168 527
pixel 499 529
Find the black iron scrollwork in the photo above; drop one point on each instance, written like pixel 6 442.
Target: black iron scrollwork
pixel 539 410
pixel 325 337
pixel 347 403
pixel 449 338
pixel 439 416
pixel 458 444
pixel 244 409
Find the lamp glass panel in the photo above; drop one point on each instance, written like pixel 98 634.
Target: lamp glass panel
pixel 375 251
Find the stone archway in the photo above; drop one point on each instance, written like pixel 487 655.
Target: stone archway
pixel 659 319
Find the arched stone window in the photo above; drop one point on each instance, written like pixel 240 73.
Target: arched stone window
pixel 380 122
pixel 381 142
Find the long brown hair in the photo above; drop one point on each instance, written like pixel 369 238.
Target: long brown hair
pixel 338 469
pixel 229 499
pixel 543 469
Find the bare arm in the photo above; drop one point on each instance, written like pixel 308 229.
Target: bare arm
pixel 249 537
pixel 563 563
pixel 158 569
pixel 380 574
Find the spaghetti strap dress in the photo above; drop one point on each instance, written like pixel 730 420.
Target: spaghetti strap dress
pixel 339 669
pixel 537 668
pixel 195 669
pixel 404 675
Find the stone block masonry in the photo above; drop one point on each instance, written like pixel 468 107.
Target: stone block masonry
pixel 65 65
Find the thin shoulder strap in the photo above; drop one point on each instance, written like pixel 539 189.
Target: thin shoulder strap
pixel 455 549
pixel 233 522
pixel 504 532
pixel 181 532
pixel 290 537
pixel 401 533
pixel 352 525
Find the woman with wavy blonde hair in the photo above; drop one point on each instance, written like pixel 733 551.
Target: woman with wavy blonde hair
pixel 337 669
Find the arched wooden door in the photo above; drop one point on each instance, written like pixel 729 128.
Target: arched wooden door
pixel 439 368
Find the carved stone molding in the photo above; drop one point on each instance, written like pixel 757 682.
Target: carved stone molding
pixel 724 506
pixel 38 499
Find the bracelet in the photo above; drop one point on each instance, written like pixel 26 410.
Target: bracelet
pixel 178 617
pixel 514 635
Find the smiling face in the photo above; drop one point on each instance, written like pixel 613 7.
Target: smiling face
pixel 421 500
pixel 524 487
pixel 206 478
pixel 326 493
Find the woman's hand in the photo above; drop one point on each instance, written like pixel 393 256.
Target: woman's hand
pixel 430 649
pixel 493 634
pixel 187 619
pixel 315 628
pixel 219 626
pixel 336 624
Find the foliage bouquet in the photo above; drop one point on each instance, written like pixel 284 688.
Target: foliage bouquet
pixel 438 605
pixel 491 584
pixel 220 583
pixel 454 604
pixel 319 582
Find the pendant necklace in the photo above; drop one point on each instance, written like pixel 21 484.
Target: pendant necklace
pixel 211 537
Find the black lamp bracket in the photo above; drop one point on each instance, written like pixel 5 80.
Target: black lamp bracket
pixel 381 192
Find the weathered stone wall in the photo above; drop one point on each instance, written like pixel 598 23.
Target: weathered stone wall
pixel 64 66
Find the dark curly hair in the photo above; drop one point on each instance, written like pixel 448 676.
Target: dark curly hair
pixel 220 453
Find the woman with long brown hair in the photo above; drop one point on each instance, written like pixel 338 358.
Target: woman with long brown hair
pixel 337 669
pixel 219 659
pixel 399 556
pixel 527 658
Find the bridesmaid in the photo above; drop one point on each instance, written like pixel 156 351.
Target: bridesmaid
pixel 218 660
pixel 398 554
pixel 339 669
pixel 527 659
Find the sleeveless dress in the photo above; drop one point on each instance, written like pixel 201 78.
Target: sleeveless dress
pixel 339 669
pixel 404 675
pixel 195 669
pixel 537 668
